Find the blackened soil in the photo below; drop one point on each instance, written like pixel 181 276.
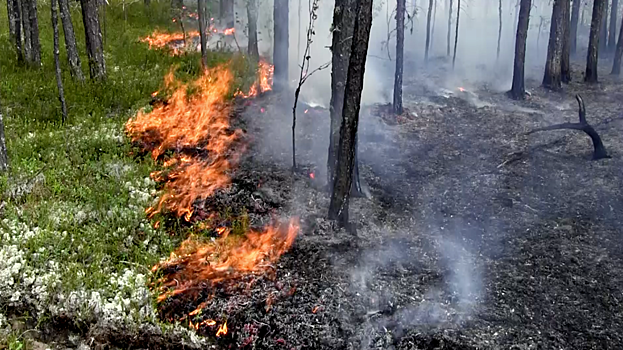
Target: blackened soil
pixel 475 236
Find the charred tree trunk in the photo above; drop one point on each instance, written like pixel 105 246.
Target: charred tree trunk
pixel 603 34
pixel 573 27
pixel 500 31
pixel 15 18
pixel 338 209
pixel 252 19
pixel 57 62
pixel 201 10
pixel 343 26
pixel 432 31
pixel 616 66
pixel 400 43
pixel 456 34
pixel 449 35
pixel 552 78
pixel 93 37
pixel 518 90
pixel 280 46
pixel 428 19
pixel 613 25
pixel 75 67
pixel 565 64
pixel 592 56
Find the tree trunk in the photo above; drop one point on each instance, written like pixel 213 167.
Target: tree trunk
pixel 613 25
pixel 400 45
pixel 229 18
pixel 552 78
pixel 35 46
pixel 4 158
pixel 11 17
pixel 500 31
pixel 565 64
pixel 518 90
pixel 93 38
pixel 343 26
pixel 603 34
pixel 573 29
pixel 16 19
pixel 616 66
pixel 449 35
pixel 432 31
pixel 57 62
pixel 428 19
pixel 201 10
pixel 26 30
pixel 73 57
pixel 280 47
pixel 338 209
pixel 592 57
pixel 252 19
pixel 456 34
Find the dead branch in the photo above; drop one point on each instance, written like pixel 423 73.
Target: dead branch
pixel 583 125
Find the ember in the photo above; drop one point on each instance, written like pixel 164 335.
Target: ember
pixel 312 176
pixel 229 31
pixel 222 330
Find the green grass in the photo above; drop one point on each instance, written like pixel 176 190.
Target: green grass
pixel 75 195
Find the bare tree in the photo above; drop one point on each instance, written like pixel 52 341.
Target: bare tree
pixel 552 78
pixel 603 34
pixel 518 90
pixel 57 61
pixel 93 38
pixel 26 29
pixel 11 17
pixel 613 25
pixel 456 33
pixel 500 30
pixel 252 27
pixel 428 20
pixel 201 9
pixel 565 64
pixel 592 57
pixel 31 31
pixel 343 26
pixel 340 197
pixel 573 29
pixel 616 66
pixel 280 46
pixel 400 47
pixel 70 41
pixel 432 31
pixel 449 35
pixel 13 9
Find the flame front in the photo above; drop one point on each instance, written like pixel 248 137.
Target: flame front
pixel 173 41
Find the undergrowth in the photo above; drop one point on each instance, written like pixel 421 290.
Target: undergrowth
pixel 73 235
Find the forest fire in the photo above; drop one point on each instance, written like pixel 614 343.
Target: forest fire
pixel 264 82
pixel 173 41
pixel 197 129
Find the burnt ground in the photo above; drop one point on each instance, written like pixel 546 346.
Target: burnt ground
pixel 475 236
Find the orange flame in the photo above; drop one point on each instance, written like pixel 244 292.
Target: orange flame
pixel 461 89
pixel 265 80
pixel 312 176
pixel 173 41
pixel 229 31
pixel 222 330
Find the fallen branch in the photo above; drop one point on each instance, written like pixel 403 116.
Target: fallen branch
pixel 583 125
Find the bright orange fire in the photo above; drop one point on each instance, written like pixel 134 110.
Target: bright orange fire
pixel 222 330
pixel 461 89
pixel 229 31
pixel 173 41
pixel 264 83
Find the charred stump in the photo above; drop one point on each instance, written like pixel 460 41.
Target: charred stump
pixel 518 89
pixel 338 209
pixel 583 125
pixel 593 42
pixel 70 41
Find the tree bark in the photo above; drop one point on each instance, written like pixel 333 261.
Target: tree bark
pixel 57 62
pixel 565 64
pixel 11 17
pixel 400 43
pixel 518 90
pixel 552 78
pixel 573 29
pixel 252 19
pixel 616 66
pixel 449 35
pixel 35 46
pixel 201 10
pixel 15 19
pixel 592 57
pixel 75 66
pixel 500 31
pixel 343 26
pixel 456 34
pixel 613 25
pixel 280 46
pixel 432 31
pixel 4 158
pixel 338 209
pixel 428 19
pixel 26 29
pixel 603 34
pixel 93 38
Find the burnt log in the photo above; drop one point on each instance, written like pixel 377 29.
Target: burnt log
pixel 583 125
